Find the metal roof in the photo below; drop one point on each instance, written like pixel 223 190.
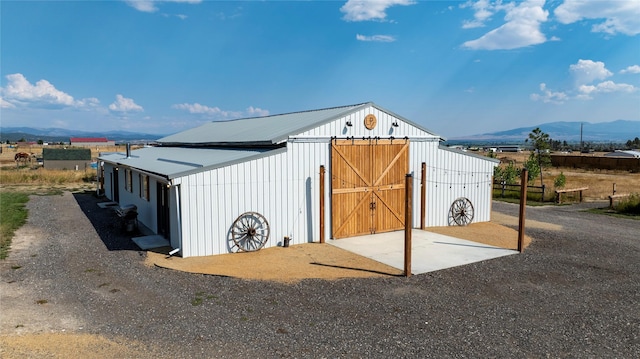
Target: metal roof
pixel 267 130
pixel 66 154
pixel 172 162
pixel 470 154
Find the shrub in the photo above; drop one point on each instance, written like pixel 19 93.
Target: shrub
pixel 560 181
pixel 630 205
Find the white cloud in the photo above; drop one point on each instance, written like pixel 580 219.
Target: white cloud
pixel 256 111
pixel 635 69
pixel 150 5
pixel 522 28
pixel 604 87
pixel 587 71
pixel 5 104
pixel 484 9
pixel 376 38
pixel 123 104
pixel 142 5
pixel 619 16
pixel 548 96
pixel 19 91
pixel 217 113
pixel 365 10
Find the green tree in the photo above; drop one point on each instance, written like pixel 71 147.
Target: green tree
pixel 532 165
pixel 541 143
pixel 507 174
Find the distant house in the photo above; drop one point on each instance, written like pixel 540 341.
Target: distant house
pixel 66 159
pixel 623 154
pixel 91 141
pixel 509 149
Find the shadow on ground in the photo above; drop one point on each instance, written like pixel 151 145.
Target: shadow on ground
pixel 106 223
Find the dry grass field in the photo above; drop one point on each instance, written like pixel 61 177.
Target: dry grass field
pixel 600 182
pixel 8 153
pixel 32 178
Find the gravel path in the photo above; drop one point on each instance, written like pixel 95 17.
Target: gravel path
pixel 572 293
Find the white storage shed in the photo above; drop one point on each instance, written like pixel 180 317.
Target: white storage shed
pixel 216 188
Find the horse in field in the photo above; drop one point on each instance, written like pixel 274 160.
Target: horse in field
pixel 22 156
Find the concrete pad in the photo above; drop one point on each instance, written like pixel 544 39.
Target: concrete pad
pixel 430 251
pixel 149 242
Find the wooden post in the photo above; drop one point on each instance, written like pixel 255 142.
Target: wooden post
pixel 614 188
pixel 322 204
pixel 407 224
pixel 423 197
pixel 523 204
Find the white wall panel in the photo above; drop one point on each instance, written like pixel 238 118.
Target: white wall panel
pixel 449 175
pixel 383 129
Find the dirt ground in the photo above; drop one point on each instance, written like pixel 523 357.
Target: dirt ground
pixel 286 265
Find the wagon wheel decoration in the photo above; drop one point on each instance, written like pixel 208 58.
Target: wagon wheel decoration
pixel 250 231
pixel 461 212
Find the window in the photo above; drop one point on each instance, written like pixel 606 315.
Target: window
pixel 144 186
pixel 128 184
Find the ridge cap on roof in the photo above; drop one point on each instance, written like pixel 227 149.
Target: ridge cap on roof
pixel 297 112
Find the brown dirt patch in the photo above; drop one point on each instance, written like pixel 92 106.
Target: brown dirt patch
pixel 62 345
pixel 286 265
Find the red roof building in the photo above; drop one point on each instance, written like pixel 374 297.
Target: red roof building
pixel 91 141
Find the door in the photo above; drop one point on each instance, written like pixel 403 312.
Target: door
pixel 162 193
pixel 367 186
pixel 116 186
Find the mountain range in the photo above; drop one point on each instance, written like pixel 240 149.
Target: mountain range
pixel 14 134
pixel 607 132
pixel 618 131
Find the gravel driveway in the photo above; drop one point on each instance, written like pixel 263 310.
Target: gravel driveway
pixel 572 293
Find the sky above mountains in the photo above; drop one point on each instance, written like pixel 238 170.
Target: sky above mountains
pixel 456 67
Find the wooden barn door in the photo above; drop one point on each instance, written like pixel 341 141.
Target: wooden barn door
pixel 367 182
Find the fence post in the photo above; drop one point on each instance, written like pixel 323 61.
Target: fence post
pixel 407 224
pixel 542 199
pixel 523 204
pixel 321 204
pixel 504 186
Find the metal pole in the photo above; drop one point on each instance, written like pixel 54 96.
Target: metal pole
pixel 523 204
pixel 321 204
pixel 407 224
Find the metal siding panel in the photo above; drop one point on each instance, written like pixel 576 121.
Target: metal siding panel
pixel 383 128
pixel 220 216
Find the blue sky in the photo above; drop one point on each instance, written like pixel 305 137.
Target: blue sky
pixel 456 67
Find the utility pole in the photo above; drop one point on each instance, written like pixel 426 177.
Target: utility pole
pixel 581 145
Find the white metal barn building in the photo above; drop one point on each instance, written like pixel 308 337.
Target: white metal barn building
pixel 196 185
